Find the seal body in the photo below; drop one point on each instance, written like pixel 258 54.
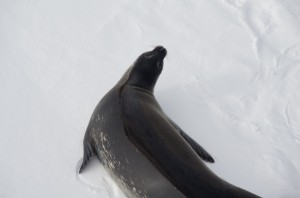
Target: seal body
pixel 129 167
pixel 143 150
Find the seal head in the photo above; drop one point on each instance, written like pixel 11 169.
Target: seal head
pixel 147 68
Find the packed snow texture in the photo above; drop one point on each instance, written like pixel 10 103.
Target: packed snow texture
pixel 231 80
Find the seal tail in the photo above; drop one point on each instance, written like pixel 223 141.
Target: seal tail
pixel 88 152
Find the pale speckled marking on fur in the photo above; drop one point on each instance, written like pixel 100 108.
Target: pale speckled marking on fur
pixel 125 181
pixel 109 160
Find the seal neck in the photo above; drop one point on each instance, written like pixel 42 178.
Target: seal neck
pixel 146 82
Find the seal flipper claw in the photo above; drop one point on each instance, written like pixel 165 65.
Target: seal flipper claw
pixel 202 153
pixel 88 152
pixel 198 149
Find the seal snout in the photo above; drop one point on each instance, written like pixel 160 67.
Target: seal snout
pixel 160 50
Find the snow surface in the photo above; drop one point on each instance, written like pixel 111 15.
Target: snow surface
pixel 231 80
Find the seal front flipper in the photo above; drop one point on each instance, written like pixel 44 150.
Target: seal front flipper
pixel 197 148
pixel 88 151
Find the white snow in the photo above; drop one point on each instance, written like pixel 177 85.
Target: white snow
pixel 231 80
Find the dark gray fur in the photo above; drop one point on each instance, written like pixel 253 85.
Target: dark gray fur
pixel 144 151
